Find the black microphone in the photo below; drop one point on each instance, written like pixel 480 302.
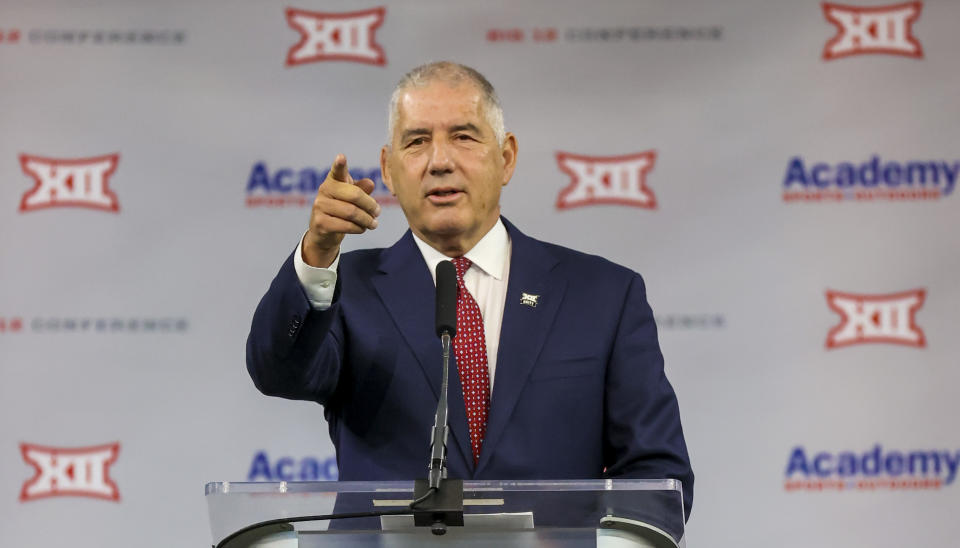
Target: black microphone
pixel 446 299
pixel 437 505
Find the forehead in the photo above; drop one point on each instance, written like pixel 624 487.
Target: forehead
pixel 438 105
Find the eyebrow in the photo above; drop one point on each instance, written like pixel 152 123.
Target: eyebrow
pixel 465 127
pixel 411 132
pixel 424 131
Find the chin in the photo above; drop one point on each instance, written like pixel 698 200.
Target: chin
pixel 445 226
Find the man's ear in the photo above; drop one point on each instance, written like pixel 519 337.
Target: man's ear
pixel 509 151
pixel 384 170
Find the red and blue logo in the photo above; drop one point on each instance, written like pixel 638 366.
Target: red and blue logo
pixel 875 468
pixel 873 179
pixel 285 186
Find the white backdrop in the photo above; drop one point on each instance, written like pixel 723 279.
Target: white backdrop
pixel 123 319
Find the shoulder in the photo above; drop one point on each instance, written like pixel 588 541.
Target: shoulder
pixel 570 256
pixel 574 262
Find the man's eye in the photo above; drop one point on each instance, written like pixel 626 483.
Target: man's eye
pixel 464 137
pixel 415 142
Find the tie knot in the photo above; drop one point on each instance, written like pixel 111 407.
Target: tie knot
pixel 461 264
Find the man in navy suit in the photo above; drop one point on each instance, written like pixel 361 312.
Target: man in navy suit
pixel 564 378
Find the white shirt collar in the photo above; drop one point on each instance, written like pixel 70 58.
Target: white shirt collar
pixel 490 254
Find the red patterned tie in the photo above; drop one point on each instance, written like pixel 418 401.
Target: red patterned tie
pixel 470 349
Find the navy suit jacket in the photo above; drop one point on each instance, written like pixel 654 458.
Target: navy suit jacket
pixel 579 392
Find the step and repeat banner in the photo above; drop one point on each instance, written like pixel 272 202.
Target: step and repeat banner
pixel 782 173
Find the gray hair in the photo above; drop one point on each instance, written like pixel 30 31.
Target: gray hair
pixel 454 74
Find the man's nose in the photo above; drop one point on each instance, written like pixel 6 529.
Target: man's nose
pixel 441 161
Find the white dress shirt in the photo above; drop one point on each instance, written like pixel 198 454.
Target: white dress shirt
pixel 486 280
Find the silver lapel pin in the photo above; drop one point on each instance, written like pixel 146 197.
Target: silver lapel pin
pixel 529 299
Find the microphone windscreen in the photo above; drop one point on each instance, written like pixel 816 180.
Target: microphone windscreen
pixel 446 298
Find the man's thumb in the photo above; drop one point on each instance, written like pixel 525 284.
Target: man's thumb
pixel 339 169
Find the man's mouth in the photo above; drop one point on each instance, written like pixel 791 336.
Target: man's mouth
pixel 443 195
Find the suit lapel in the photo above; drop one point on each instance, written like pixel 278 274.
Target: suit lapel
pixel 523 331
pixel 406 288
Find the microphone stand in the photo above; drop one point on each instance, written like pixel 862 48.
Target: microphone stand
pixel 441 430
pixel 438 501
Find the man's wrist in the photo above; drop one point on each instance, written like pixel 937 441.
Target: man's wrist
pixel 319 283
pixel 316 256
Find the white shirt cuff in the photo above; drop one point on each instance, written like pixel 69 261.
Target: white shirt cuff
pixel 318 283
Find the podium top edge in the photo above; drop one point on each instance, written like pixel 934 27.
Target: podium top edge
pixel 334 487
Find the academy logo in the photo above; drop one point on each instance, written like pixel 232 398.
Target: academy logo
pixel 877 468
pixel 875 29
pixel 876 319
pixel 619 180
pixel 73 472
pixel 298 187
pixel 874 179
pixel 291 469
pixel 79 182
pixel 336 36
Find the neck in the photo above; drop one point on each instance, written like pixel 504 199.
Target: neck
pixel 455 245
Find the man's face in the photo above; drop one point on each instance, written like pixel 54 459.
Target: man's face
pixel 445 166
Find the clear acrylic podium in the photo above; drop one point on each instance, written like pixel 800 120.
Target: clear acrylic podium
pixel 500 514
